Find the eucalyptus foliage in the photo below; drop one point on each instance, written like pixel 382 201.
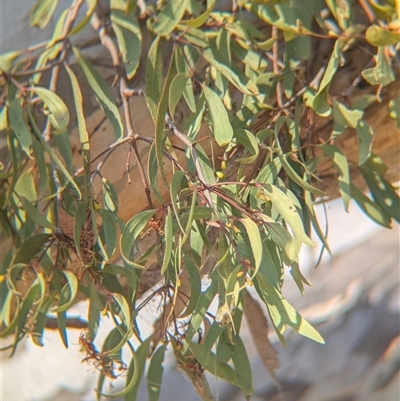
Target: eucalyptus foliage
pixel 216 233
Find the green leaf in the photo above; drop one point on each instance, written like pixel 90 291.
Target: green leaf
pixel 222 127
pixel 296 178
pixel 203 303
pixel 195 285
pixel 288 211
pixel 30 247
pixel 382 192
pixel 314 221
pixel 320 102
pixel 131 233
pixel 125 311
pixel 51 153
pixel 72 283
pixel 364 134
pixel 35 215
pixel 281 236
pixel 382 73
pixel 201 19
pixel 110 196
pixel 377 36
pixel 78 101
pixel 371 209
pixel 154 67
pixel 183 68
pixel 136 370
pixel 210 363
pixel 58 111
pixel 128 273
pixel 232 73
pixel 42 12
pixel 249 141
pixel 176 90
pixel 242 367
pixel 102 92
pixel 95 307
pixel 152 172
pixel 129 38
pixel 155 372
pixel 168 241
pixel 63 144
pixel 112 341
pixel 255 241
pixel 109 231
pixel 340 162
pixel 169 17
pixel 80 219
pixel 282 312
pixel 18 124
pixel 159 137
pixel 91 4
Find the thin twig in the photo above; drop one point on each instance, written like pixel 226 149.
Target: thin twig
pixel 125 94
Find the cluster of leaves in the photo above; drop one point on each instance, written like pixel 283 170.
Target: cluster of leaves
pixel 253 225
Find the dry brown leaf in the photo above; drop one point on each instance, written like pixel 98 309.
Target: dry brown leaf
pixel 258 325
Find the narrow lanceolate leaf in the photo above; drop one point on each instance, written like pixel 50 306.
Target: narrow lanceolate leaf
pixel 176 90
pixel 195 285
pixel 219 369
pixel 340 163
pixel 296 178
pixel 255 241
pixel 169 17
pixel 370 208
pixel 159 138
pixel 232 73
pixel 258 325
pixel 80 219
pixel 136 370
pixel 58 111
pixel 283 313
pixel 320 102
pixel 242 367
pixel 102 93
pixel 125 313
pixel 201 19
pixel 76 91
pixel 200 311
pixel 174 189
pixel 152 173
pixel 382 191
pixel 129 38
pixel 249 141
pixel 109 232
pixel 222 127
pixel 288 211
pixel 168 241
pixel 155 372
pixel 42 12
pixel 54 157
pixel 19 125
pixel 35 215
pixel 154 77
pixel 364 134
pixel 72 284
pixel 131 233
pixel 183 68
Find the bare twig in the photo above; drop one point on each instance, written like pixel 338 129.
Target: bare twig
pixel 125 93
